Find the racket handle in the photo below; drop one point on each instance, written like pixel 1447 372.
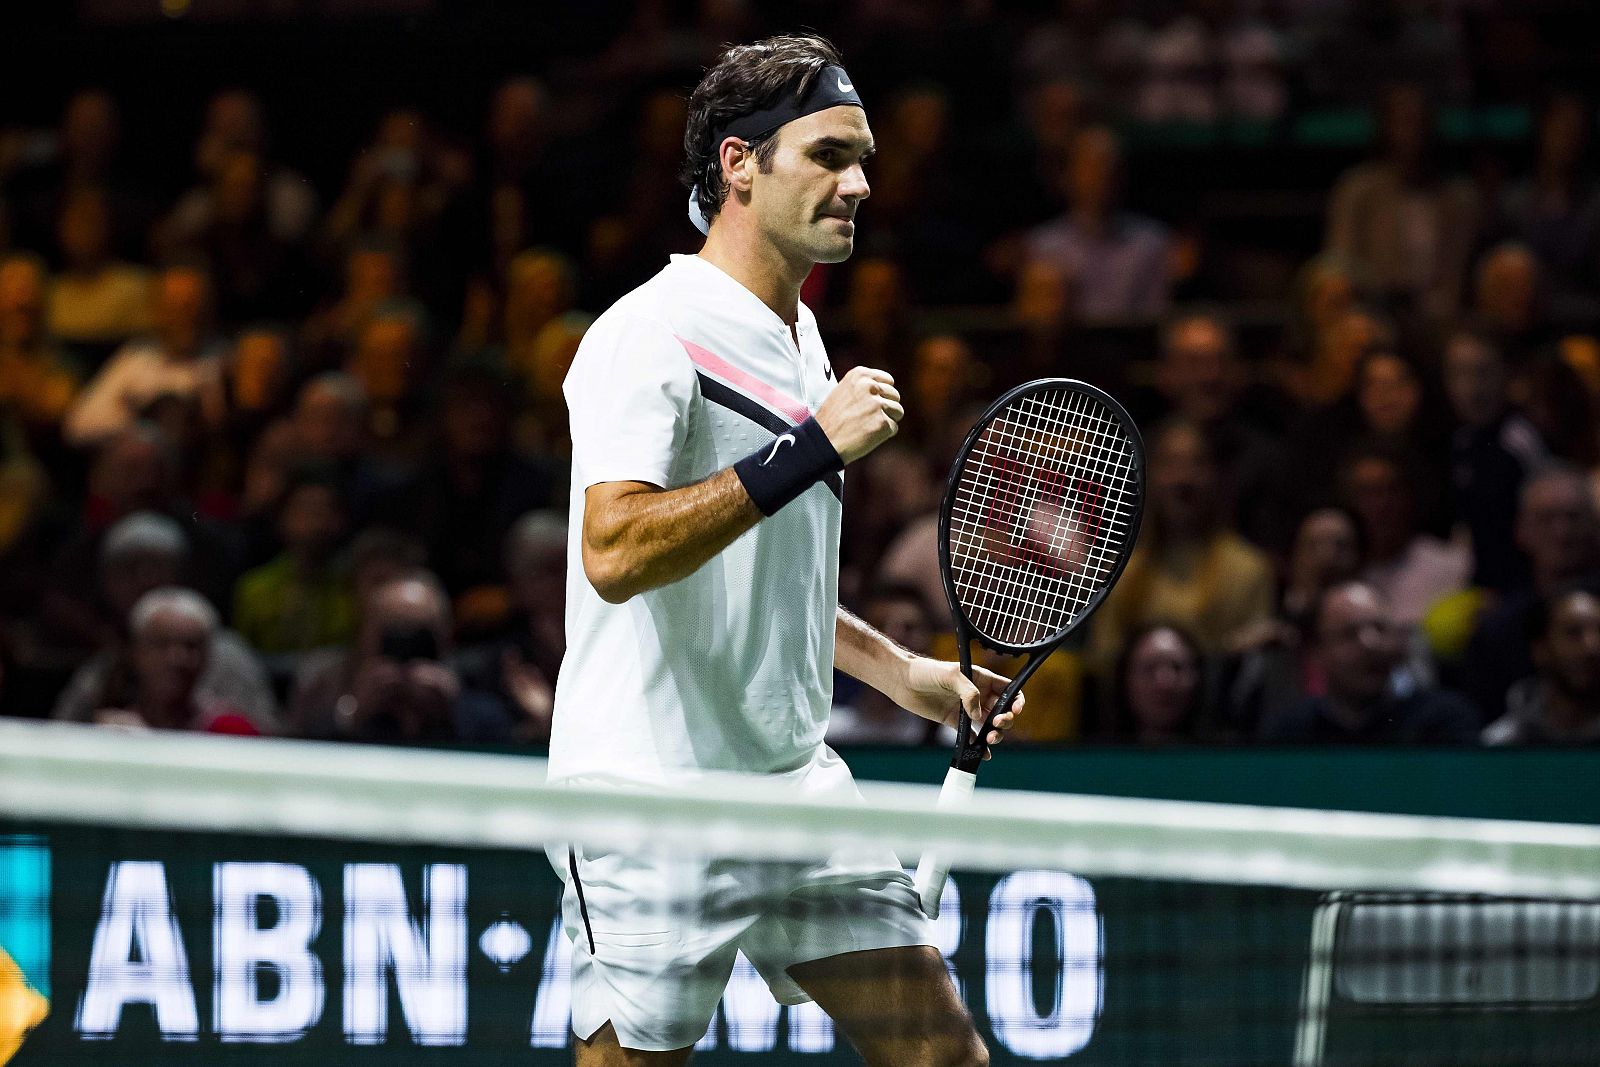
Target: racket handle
pixel 933 869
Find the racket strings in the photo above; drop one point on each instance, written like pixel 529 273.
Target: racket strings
pixel 1041 514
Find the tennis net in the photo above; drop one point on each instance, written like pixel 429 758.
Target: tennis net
pixel 182 899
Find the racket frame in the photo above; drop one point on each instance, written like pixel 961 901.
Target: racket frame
pixel 971 745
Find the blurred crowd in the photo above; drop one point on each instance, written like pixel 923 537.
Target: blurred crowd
pixel 285 455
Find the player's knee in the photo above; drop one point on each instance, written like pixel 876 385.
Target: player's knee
pixel 968 1052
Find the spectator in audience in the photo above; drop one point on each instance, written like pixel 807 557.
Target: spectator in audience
pixel 1555 210
pixel 944 378
pixel 520 667
pixel 96 302
pixel 877 308
pixel 1158 692
pixel 82 155
pixel 303 598
pixel 469 491
pixel 233 124
pixel 258 374
pixel 1336 348
pixel 1411 569
pixel 137 470
pixel 157 685
pixel 397 684
pixel 256 272
pixel 390 362
pixel 1491 449
pixel 1403 223
pixel 144 552
pixel 871 718
pixel 1558 534
pixel 37 382
pixel 399 189
pixel 1118 265
pixel 331 419
pixel 1270 665
pixel 183 358
pixel 541 285
pixel 1202 381
pixel 1560 705
pixel 1357 643
pixel 374 274
pixel 1508 302
pixel 1190 567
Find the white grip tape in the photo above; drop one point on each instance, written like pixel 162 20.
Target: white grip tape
pixel 933 869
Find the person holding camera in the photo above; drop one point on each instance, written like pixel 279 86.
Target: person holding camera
pixel 398 684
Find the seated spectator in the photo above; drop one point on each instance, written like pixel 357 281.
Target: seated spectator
pixel 541 285
pixel 258 375
pixel 520 667
pixel 1508 302
pixel 870 718
pixel 303 598
pixel 137 470
pixel 141 553
pixel 877 307
pixel 183 358
pixel 256 272
pixel 1403 223
pixel 37 382
pixel 1410 568
pixel 471 488
pixel 1118 265
pixel 1491 448
pixel 374 273
pixel 1560 705
pixel 331 419
pixel 234 123
pixel 397 684
pixel 1555 210
pixel 1190 567
pixel 1270 665
pixel 1558 535
pixel 1357 643
pixel 1202 380
pixel 945 377
pixel 157 685
pixel 96 302
pixel 391 364
pixel 1158 694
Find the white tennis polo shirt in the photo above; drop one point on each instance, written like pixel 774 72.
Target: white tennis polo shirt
pixel 731 668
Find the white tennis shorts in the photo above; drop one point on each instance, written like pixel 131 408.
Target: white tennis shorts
pixel 654 937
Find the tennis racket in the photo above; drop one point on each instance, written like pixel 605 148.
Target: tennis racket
pixel 1039 517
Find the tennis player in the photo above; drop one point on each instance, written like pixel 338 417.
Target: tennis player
pixel 703 622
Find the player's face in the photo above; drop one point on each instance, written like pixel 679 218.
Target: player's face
pixel 807 201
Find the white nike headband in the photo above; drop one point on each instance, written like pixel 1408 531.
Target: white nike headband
pixel 830 88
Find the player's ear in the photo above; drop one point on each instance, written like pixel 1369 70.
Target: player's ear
pixel 738 163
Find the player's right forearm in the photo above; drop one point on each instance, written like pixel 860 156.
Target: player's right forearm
pixel 638 537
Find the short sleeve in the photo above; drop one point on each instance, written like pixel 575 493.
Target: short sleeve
pixel 628 397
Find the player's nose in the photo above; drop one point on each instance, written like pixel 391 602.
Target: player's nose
pixel 853 184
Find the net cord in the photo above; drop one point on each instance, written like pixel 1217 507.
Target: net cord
pixel 53 772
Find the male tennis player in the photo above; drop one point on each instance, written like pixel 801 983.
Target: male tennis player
pixel 702 601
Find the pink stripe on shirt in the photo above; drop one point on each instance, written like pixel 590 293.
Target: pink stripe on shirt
pixel 706 360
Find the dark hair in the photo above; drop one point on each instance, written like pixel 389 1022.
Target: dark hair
pixel 1120 724
pixel 745 78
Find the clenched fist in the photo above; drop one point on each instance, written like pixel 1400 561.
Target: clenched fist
pixel 861 413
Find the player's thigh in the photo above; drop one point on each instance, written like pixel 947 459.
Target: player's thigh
pixel 602 1050
pixel 896 1006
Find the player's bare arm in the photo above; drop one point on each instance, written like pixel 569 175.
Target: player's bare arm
pixel 638 536
pixel 931 688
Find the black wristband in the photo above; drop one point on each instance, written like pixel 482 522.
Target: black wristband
pixel 776 473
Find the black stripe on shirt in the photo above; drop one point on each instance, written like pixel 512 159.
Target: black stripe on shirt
pixel 766 418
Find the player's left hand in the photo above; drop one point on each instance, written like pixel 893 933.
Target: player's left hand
pixel 937 690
